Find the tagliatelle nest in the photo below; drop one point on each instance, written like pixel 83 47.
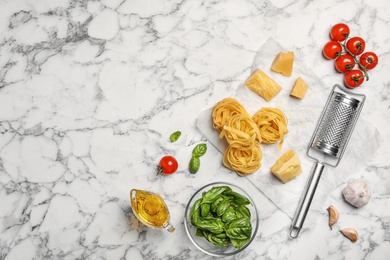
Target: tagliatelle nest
pixel 241 128
pixel 272 124
pixel 224 110
pixel 243 159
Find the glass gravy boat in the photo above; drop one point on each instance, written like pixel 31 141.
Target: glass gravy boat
pixel 150 209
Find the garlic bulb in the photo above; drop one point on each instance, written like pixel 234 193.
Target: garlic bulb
pixel 357 192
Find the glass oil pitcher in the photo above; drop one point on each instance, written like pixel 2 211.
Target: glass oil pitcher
pixel 150 209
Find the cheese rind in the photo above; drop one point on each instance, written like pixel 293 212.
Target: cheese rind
pixel 299 89
pixel 283 63
pixel 287 167
pixel 263 84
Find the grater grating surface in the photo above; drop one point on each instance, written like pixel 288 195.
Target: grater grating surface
pixel 336 125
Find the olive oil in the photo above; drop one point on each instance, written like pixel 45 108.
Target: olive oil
pixel 150 209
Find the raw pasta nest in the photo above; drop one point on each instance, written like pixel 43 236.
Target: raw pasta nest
pixel 272 124
pixel 224 110
pixel 242 129
pixel 243 159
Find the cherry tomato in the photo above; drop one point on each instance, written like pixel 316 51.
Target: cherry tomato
pixel 369 60
pixel 168 165
pixel 339 32
pixel 345 63
pixel 332 50
pixel 356 45
pixel 354 78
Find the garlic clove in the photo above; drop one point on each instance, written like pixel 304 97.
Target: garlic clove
pixel 333 216
pixel 357 192
pixel 350 233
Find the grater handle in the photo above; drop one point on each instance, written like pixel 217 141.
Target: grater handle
pixel 305 201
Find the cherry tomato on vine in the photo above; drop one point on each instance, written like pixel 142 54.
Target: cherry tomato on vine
pixel 345 63
pixel 356 45
pixel 168 165
pixel 339 32
pixel 332 50
pixel 354 78
pixel 369 60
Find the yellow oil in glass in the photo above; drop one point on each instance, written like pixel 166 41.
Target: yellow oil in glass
pixel 150 209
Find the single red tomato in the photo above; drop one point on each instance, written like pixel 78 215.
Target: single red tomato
pixel 356 45
pixel 354 78
pixel 369 60
pixel 345 63
pixel 339 32
pixel 168 165
pixel 332 50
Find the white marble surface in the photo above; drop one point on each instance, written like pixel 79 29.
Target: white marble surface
pixel 91 90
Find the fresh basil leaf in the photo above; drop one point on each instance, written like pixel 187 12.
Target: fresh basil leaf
pixel 239 229
pixel 229 215
pixel 215 203
pixel 218 239
pixel 214 193
pixel 199 150
pixel 239 243
pixel 195 211
pixel 223 206
pixel 205 209
pixel 175 136
pixel 194 165
pixel 238 198
pixel 240 223
pixel 239 233
pixel 242 211
pixel 214 225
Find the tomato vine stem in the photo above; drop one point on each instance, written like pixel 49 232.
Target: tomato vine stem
pixel 356 60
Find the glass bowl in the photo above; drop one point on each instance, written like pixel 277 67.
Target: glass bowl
pixel 201 242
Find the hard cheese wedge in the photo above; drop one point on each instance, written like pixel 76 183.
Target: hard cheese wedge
pixel 287 167
pixel 283 63
pixel 299 89
pixel 263 84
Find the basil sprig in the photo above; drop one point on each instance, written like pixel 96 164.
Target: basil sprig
pixel 222 217
pixel 198 151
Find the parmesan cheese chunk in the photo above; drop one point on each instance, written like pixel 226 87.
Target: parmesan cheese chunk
pixel 299 89
pixel 287 167
pixel 263 84
pixel 283 63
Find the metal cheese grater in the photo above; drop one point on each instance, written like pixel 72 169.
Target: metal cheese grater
pixel 328 143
